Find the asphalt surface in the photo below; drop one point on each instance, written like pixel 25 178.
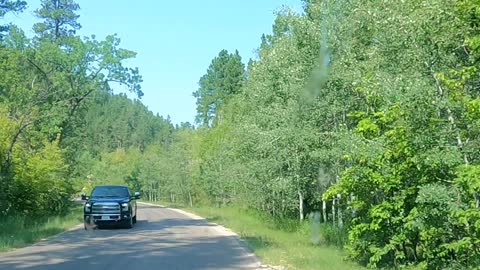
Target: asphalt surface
pixel 162 239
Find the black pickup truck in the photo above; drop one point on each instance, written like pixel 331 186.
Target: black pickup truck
pixel 110 205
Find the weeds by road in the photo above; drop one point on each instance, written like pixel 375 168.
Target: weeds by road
pixel 17 232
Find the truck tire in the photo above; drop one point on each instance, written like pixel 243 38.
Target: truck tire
pixel 89 227
pixel 129 223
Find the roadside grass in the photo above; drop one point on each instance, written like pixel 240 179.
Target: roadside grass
pixel 277 242
pixel 16 232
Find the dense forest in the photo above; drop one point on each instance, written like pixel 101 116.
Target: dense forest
pixel 364 112
pixel 61 125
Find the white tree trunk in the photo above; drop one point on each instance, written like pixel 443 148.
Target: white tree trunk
pixel 333 210
pixel 190 198
pixel 441 92
pixel 477 201
pixel 354 211
pixel 324 210
pixel 340 216
pixel 300 205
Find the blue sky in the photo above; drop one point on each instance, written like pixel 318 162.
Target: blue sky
pixel 175 40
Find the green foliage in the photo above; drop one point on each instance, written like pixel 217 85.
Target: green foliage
pixel 40 182
pixel 60 19
pixel 10 6
pixel 46 93
pixel 367 112
pixel 372 106
pixel 407 200
pixel 224 78
pixel 114 121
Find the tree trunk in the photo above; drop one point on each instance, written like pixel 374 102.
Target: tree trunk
pixel 340 216
pixel 333 210
pixel 477 201
pixel 459 138
pixel 300 205
pixel 9 154
pixel 441 93
pixel 354 211
pixel 190 198
pixel 324 210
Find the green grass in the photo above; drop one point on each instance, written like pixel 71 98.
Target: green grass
pixel 18 232
pixel 277 242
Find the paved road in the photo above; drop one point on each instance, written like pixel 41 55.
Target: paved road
pixel 162 239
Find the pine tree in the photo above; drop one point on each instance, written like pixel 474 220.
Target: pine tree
pixel 59 17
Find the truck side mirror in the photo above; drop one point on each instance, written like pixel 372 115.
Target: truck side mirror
pixel 137 195
pixel 84 197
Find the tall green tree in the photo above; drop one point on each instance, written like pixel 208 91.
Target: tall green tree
pixel 368 110
pixel 223 79
pixel 60 19
pixel 46 88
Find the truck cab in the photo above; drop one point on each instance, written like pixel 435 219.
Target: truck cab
pixel 110 205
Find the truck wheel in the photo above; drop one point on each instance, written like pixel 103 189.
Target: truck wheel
pixel 89 227
pixel 129 223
